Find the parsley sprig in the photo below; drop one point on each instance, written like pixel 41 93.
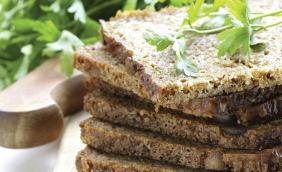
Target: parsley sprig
pixel 229 19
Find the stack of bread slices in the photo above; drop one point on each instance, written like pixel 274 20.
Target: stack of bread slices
pixel 145 117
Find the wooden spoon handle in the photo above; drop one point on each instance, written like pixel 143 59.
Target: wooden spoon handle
pixel 32 109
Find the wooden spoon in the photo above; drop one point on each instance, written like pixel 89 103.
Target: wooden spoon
pixel 32 109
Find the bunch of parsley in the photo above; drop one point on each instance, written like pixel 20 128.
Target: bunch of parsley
pixel 232 22
pixel 31 31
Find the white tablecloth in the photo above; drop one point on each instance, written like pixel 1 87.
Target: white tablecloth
pixel 39 159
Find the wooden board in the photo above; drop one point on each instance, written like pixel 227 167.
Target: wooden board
pixel 32 110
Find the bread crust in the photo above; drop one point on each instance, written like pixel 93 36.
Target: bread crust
pixel 92 160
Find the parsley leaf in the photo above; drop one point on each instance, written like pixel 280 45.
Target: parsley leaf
pixel 64 47
pixel 217 4
pixel 179 46
pixel 194 11
pixel 183 64
pixel 161 42
pixel 78 9
pixel 47 30
pixel 239 37
pixel 5 35
pixel 234 39
pixel 54 7
pixel 23 69
pixel 240 11
pixel 209 23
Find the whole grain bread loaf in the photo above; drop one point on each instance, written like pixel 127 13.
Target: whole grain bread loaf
pixel 91 160
pixel 123 36
pixel 96 62
pixel 131 142
pixel 131 112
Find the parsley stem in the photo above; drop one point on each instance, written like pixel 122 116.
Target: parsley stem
pixel 216 30
pixel 267 14
pixel 267 26
pixel 210 31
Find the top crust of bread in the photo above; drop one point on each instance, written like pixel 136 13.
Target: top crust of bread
pixel 123 35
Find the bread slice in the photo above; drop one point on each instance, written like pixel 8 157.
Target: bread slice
pixel 131 112
pixel 96 62
pixel 261 113
pixel 91 160
pixel 123 36
pixel 131 142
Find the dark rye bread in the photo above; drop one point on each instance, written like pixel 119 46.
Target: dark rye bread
pixel 130 142
pixel 123 36
pixel 259 113
pixel 131 112
pixel 90 160
pixel 96 62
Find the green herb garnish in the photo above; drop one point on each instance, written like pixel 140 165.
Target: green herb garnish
pixel 161 42
pixel 230 19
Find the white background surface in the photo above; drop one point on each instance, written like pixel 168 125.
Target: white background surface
pixel 39 159
pixel 58 156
